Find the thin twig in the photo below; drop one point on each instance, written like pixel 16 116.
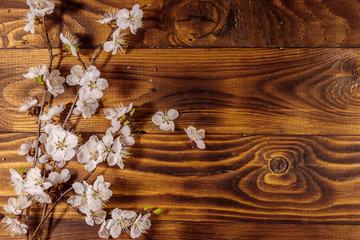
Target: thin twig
pixel 98 51
pixel 80 60
pixel 71 109
pixel 56 202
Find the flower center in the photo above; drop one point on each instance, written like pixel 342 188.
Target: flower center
pixel 93 85
pixel 60 146
pixel 41 4
pixel 108 150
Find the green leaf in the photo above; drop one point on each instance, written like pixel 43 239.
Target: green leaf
pixel 132 111
pixel 39 80
pixel 22 170
pixel 146 208
pixel 126 122
pixel 158 211
pixel 12 215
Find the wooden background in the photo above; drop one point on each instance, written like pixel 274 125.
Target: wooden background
pixel 266 79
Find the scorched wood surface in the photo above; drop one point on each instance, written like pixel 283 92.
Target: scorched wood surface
pixel 273 83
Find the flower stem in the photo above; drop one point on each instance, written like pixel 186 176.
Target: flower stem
pixel 101 47
pixel 71 109
pixel 56 202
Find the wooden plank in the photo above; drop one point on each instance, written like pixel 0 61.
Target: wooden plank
pixel 199 23
pixel 234 179
pixel 251 91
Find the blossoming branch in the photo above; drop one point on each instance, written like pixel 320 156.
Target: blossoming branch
pixel 56 145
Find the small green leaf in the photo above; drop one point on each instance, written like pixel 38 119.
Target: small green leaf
pixel 126 122
pixel 146 208
pixel 12 215
pixel 39 80
pixel 158 211
pixel 132 111
pixel 22 170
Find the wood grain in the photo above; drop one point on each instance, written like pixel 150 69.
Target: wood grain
pixel 199 23
pixel 230 181
pixel 252 91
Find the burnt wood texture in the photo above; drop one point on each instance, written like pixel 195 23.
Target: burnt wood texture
pixel 273 82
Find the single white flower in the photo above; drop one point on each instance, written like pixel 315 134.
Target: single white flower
pixel 28 104
pixel 28 150
pixel 109 17
pixel 124 134
pixel 117 44
pixel 34 183
pixel 141 224
pixel 98 194
pixel 112 151
pixel 41 7
pixel 79 200
pixel 91 84
pixel 76 74
pixel 53 115
pixel 14 227
pixel 56 178
pixel 196 136
pixel 121 220
pixel 42 198
pixel 35 72
pixel 130 19
pixel 116 112
pixel 17 181
pixel 90 154
pixel 60 144
pixel 86 106
pixel 71 42
pixel 165 121
pixel 30 22
pixel 16 205
pixel 97 217
pixel 104 231
pixel 54 82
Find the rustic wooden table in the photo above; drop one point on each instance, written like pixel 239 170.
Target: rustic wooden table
pixel 273 83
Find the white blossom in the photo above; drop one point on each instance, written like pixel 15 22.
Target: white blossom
pixel 86 106
pixel 90 154
pixel 60 144
pixel 91 84
pixel 97 217
pixel 109 16
pixel 116 112
pixel 53 114
pixel 14 227
pixel 80 200
pixel 42 198
pixel 16 205
pixel 56 178
pixel 28 150
pixel 17 181
pixel 121 220
pixel 165 121
pixel 41 7
pixel 196 136
pixel 112 151
pixel 141 224
pixel 124 134
pixel 71 42
pixel 104 231
pixel 98 194
pixel 54 82
pixel 76 74
pixel 27 104
pixel 117 44
pixel 130 19
pixel 30 22
pixel 34 183
pixel 36 71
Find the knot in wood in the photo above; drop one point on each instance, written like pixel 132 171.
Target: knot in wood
pixel 278 165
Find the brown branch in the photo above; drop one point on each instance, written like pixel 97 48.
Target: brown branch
pixel 56 202
pixel 101 47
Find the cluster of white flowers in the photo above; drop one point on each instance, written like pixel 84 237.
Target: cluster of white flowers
pixel 121 19
pixel 123 220
pixel 90 91
pixel 57 145
pixel 166 122
pixel 53 81
pixel 38 8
